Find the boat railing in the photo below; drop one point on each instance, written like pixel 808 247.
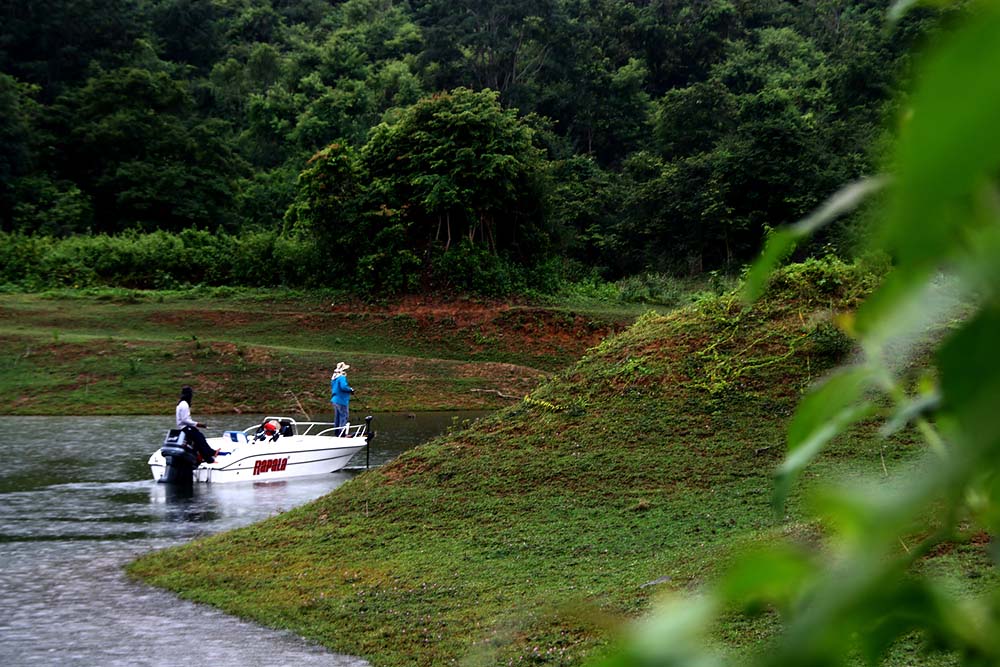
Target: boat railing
pixel 346 431
pixel 328 429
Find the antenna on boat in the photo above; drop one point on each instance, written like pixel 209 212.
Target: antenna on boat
pixel 369 436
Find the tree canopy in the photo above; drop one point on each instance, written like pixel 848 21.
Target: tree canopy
pixel 695 126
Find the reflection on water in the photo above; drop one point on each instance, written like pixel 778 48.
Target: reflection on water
pixel 77 502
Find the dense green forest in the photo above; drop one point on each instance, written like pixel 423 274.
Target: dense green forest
pixel 388 146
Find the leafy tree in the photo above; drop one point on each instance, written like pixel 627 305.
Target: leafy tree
pixel 265 196
pixel 691 120
pixel 742 114
pixel 583 203
pixel 385 31
pixel 457 165
pixel 682 41
pixel 613 112
pixel 481 44
pixel 271 118
pixel 15 154
pixel 332 82
pixel 306 12
pixel 231 82
pixel 53 44
pixel 50 207
pixel 31 199
pixel 748 148
pixel 346 110
pixel 454 168
pixel 328 204
pixel 190 31
pixel 136 146
pixel 593 87
pixel 257 24
pixel 395 85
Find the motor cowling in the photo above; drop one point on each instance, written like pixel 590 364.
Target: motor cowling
pixel 179 458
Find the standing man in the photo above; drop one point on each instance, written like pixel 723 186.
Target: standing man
pixel 340 394
pixel 190 426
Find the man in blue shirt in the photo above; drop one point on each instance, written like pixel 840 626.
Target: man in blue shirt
pixel 340 394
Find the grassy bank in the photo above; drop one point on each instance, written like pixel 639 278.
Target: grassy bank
pixel 128 352
pixel 526 538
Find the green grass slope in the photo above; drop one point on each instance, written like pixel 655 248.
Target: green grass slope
pixel 524 537
pixel 127 352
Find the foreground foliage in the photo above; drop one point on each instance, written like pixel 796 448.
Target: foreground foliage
pixel 942 228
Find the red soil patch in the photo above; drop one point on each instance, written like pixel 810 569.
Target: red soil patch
pixel 465 312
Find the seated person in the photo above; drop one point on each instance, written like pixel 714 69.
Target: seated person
pixel 268 430
pixel 190 427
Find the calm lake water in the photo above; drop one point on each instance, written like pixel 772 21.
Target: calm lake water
pixel 77 502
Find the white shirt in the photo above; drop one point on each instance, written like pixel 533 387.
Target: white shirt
pixel 184 415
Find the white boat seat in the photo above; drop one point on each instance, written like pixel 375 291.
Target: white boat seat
pixel 175 438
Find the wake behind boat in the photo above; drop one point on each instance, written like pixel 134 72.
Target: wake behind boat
pixel 277 448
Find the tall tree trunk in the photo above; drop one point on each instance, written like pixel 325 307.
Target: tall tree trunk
pixel 695 266
pixel 489 235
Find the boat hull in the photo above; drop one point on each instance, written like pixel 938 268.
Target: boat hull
pixel 294 456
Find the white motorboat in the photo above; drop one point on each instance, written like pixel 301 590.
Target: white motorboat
pixel 277 448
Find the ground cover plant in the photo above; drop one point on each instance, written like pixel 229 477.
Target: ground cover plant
pixel 527 537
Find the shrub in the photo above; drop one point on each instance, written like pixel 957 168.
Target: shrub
pixel 471 267
pixel 830 343
pixel 823 278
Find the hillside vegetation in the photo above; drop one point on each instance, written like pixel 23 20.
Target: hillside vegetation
pixel 128 352
pixel 525 537
pixel 491 147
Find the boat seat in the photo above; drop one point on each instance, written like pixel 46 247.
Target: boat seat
pixel 175 438
pixel 287 428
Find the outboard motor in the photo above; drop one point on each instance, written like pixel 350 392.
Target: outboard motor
pixel 180 459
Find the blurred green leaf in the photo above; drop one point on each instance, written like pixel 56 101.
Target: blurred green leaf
pixel 775 574
pixel 907 313
pixel 948 153
pixel 779 244
pixel 891 611
pixel 822 415
pixel 970 378
pixel 942 232
pixel 948 145
pixel 901 7
pixel 672 636
pixel 909 411
pixel 945 621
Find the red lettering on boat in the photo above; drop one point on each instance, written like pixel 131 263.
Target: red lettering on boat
pixel 268 465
